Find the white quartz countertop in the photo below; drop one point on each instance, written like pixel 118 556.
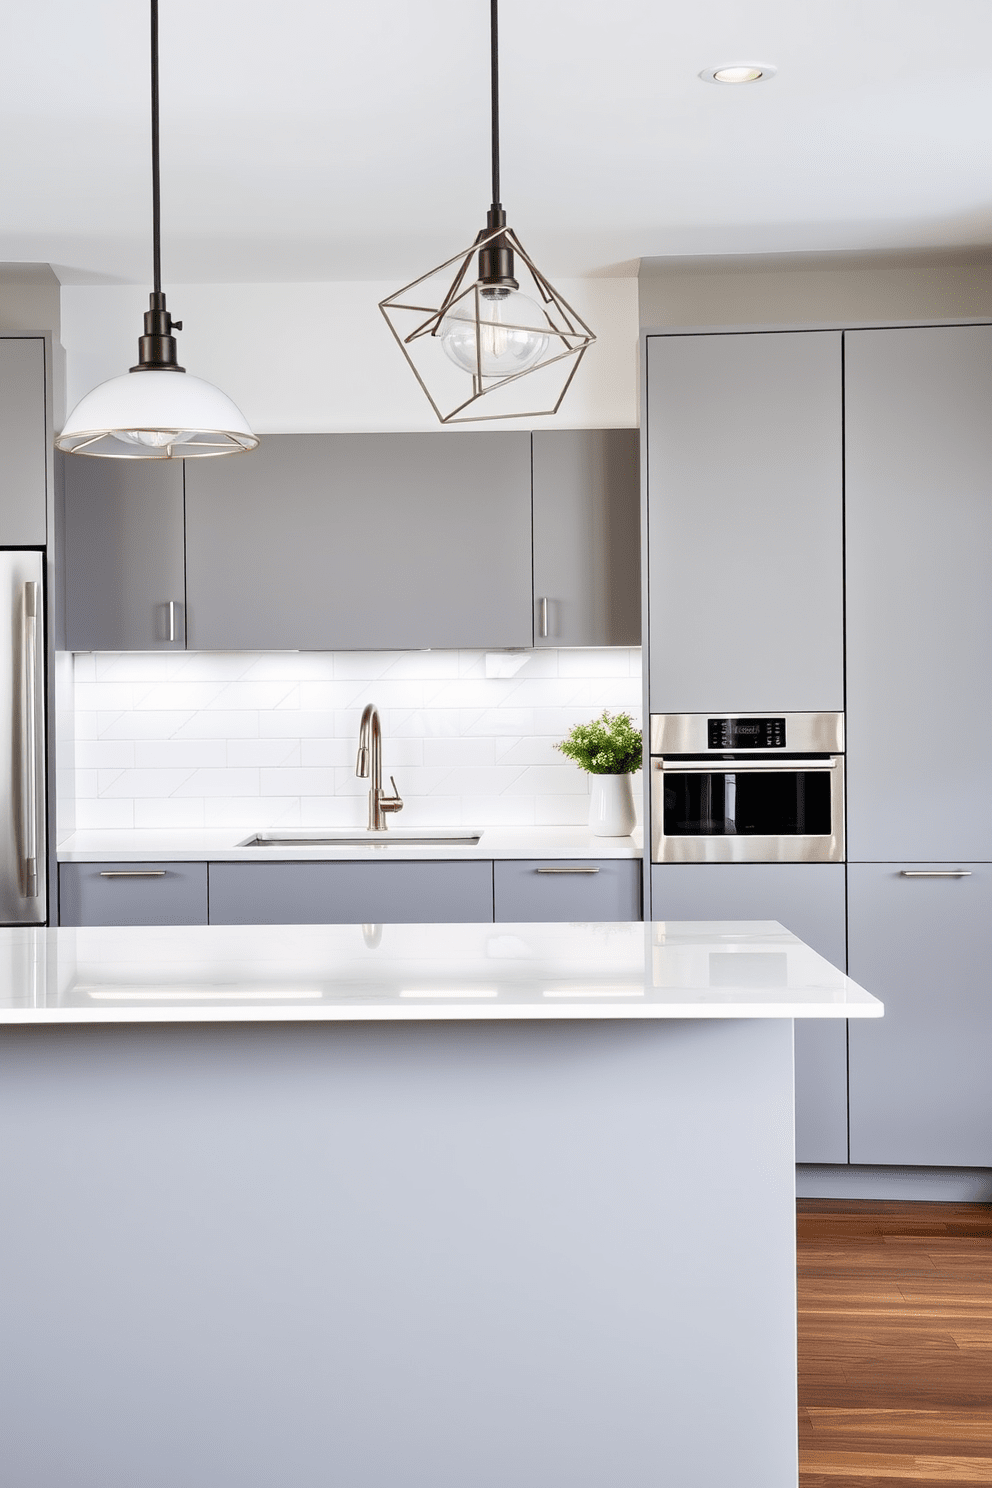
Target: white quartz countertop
pixel 349 973
pixel 223 845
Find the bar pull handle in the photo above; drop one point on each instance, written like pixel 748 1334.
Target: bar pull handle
pixel 29 739
pixel 172 619
pixel 566 870
pixel 542 611
pixel 133 873
pixel 934 872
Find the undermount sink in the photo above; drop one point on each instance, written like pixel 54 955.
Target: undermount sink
pixel 357 837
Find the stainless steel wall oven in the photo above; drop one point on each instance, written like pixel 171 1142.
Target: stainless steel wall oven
pixel 765 788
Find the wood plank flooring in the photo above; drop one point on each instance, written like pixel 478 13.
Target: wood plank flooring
pixel 895 1344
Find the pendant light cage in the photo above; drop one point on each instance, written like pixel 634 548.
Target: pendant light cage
pixel 419 314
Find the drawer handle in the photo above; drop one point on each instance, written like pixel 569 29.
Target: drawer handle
pixel 133 873
pixel 566 870
pixel 934 872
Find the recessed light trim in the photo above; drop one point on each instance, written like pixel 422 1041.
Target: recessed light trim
pixel 739 72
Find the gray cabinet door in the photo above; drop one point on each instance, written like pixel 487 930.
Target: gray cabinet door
pixel 362 541
pixel 808 899
pixel 587 537
pixel 24 441
pixel 921 1090
pixel 133 894
pixel 350 893
pixel 919 599
pixel 609 889
pixel 745 515
pixel 123 555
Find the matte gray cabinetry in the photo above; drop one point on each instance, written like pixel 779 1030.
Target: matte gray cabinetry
pixel 609 889
pixel 919 600
pixel 124 555
pixel 920 1086
pixel 368 541
pixel 587 569
pixel 133 894
pixel 23 438
pixel 808 899
pixel 350 893
pixel 745 515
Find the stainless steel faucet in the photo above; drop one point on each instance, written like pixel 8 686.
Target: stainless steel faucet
pixel 370 762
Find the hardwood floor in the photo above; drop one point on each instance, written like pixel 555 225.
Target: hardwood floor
pixel 895 1344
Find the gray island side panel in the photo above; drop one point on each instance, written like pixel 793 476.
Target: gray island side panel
pixel 553 1256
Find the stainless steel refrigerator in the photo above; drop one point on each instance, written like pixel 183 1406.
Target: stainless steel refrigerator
pixel 23 859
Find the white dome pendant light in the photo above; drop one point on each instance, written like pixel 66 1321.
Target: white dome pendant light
pixel 468 339
pixel 161 413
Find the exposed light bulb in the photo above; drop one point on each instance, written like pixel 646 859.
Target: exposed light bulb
pixel 510 327
pixel 153 438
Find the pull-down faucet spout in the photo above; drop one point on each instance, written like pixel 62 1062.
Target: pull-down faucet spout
pixel 369 766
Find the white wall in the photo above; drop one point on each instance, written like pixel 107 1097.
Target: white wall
pixel 238 739
pixel 302 358
pixel 814 289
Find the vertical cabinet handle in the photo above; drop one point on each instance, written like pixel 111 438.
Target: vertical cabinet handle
pixel 172 619
pixel 29 739
pixel 542 614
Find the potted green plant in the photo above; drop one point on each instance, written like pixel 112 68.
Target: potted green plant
pixel 609 749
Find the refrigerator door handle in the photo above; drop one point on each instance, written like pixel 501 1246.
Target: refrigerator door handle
pixel 29 740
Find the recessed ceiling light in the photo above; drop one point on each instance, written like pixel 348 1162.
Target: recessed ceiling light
pixel 738 72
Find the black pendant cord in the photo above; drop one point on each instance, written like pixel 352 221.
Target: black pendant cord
pixel 494 63
pixel 156 176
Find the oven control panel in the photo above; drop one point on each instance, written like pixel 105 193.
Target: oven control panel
pixel 745 733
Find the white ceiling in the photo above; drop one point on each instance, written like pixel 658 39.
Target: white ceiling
pixel 307 140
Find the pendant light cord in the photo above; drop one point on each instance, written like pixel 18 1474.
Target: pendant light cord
pixel 494 59
pixel 156 189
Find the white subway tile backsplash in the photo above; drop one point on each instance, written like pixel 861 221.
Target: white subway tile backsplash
pixel 267 739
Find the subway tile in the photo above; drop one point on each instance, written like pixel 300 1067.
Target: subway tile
pixel 498 721
pixel 83 667
pixel 171 812
pixel 88 783
pixel 530 750
pixel 103 754
pixel 544 780
pixel 459 751
pixel 106 695
pixel 297 781
pixel 175 694
pixel 287 723
pixel 331 811
pixel 480 780
pixel 325 752
pixel 173 753
pixel 429 811
pixel 497 811
pixel 133 725
pixel 562 811
pixel 136 782
pixel 251 813
pixel 258 695
pixel 605 661
pixel 300 666
pixel 243 782
pixel 104 813
pixel 263 752
pixel 137 666
pixel 332 693
pixel 366 665
pixel 244 724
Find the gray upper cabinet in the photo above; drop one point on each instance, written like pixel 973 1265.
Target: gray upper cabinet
pixel 920 1087
pixel 362 541
pixel 919 600
pixel 587 572
pixel 745 522
pixel 23 473
pixel 123 554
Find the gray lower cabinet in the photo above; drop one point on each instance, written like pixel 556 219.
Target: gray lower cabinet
pixel 24 441
pixel 921 1088
pixel 587 540
pixel 609 889
pixel 745 522
pixel 919 602
pixel 124 555
pixel 362 541
pixel 350 893
pixel 808 899
pixel 133 894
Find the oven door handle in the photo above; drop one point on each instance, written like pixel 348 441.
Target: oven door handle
pixel 741 767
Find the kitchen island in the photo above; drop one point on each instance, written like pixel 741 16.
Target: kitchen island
pixel 462 1206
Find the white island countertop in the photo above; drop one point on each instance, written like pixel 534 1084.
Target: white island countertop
pixel 404 973
pixel 226 845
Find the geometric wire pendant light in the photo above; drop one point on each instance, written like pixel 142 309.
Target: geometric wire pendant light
pixel 472 338
pixel 156 411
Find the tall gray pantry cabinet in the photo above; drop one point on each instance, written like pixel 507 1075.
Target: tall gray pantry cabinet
pixel 919 627
pixel 745 606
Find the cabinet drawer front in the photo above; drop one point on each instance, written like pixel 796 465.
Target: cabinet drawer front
pixel 350 893
pixel 133 894
pixel 568 889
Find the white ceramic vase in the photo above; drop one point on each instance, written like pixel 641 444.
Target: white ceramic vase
pixel 611 806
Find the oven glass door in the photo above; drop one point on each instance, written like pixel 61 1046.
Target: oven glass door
pixel 748 811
